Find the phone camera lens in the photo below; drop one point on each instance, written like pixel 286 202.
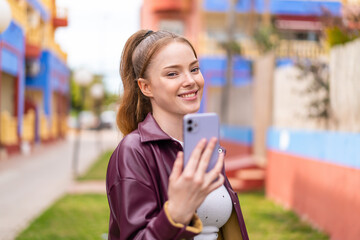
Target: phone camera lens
pixel 189 121
pixel 189 129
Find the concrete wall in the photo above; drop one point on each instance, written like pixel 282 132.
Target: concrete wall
pixel 289 103
pixel 240 104
pixel 317 174
pixel 345 86
pixel 314 167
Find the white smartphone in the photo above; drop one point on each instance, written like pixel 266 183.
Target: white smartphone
pixel 197 126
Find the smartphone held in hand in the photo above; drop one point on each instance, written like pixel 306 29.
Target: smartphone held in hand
pixel 196 127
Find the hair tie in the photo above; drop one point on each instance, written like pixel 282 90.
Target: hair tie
pixel 148 33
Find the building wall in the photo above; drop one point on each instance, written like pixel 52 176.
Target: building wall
pixel 12 54
pixel 317 173
pixel 30 33
pixel 7 94
pixel 345 85
pixel 290 104
pixel 184 20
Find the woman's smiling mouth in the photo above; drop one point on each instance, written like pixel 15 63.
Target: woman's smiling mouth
pixel 189 95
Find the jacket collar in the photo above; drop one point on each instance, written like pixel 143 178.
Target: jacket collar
pixel 149 130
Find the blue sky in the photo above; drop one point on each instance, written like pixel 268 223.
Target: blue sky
pixel 97 32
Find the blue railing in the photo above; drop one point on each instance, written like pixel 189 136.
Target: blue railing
pixel 277 7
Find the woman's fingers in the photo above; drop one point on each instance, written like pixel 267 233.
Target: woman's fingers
pixel 194 157
pixel 205 157
pixel 177 168
pixel 215 172
pixel 214 185
pixel 220 162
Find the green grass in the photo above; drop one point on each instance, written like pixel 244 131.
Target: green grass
pixel 73 217
pixel 98 170
pixel 85 217
pixel 268 221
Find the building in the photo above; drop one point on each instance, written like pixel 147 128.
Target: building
pixel 34 76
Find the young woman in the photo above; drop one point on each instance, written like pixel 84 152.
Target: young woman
pixel 150 194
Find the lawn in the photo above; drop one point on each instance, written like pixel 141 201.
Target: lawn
pixel 266 220
pixel 98 170
pixel 86 216
pixel 73 217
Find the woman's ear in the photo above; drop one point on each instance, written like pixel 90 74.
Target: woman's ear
pixel 145 87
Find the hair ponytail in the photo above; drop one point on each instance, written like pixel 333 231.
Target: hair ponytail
pixel 132 99
pixel 135 58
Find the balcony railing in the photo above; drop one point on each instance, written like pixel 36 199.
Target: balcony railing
pixel 285 48
pixel 301 49
pixel 60 18
pixel 210 47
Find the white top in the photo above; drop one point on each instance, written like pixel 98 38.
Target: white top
pixel 214 212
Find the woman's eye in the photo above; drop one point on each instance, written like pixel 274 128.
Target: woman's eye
pixel 196 69
pixel 171 74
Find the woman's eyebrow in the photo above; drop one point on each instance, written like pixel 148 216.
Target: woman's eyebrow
pixel 179 66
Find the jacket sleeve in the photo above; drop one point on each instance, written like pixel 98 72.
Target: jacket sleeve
pixel 136 212
pixel 138 217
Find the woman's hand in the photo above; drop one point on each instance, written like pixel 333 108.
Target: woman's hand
pixel 188 188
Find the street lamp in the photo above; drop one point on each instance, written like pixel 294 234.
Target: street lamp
pixel 97 93
pixel 82 78
pixel 5 15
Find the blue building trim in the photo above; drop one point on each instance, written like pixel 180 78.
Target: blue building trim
pixel 282 62
pixel 332 147
pixel 243 135
pixel 12 62
pixel 14 38
pixel 214 70
pixel 9 62
pixel 278 7
pixel 38 6
pixel 59 74
pixel 53 76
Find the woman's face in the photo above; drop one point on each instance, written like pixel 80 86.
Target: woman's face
pixel 175 83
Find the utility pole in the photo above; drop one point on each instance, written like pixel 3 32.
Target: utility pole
pixel 266 18
pixel 231 24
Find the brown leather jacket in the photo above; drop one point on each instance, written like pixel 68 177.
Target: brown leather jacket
pixel 137 184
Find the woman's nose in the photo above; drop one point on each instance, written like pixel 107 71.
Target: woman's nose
pixel 189 79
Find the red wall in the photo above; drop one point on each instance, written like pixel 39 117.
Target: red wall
pixel 323 193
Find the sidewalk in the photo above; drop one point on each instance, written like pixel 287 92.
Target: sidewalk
pixel 30 184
